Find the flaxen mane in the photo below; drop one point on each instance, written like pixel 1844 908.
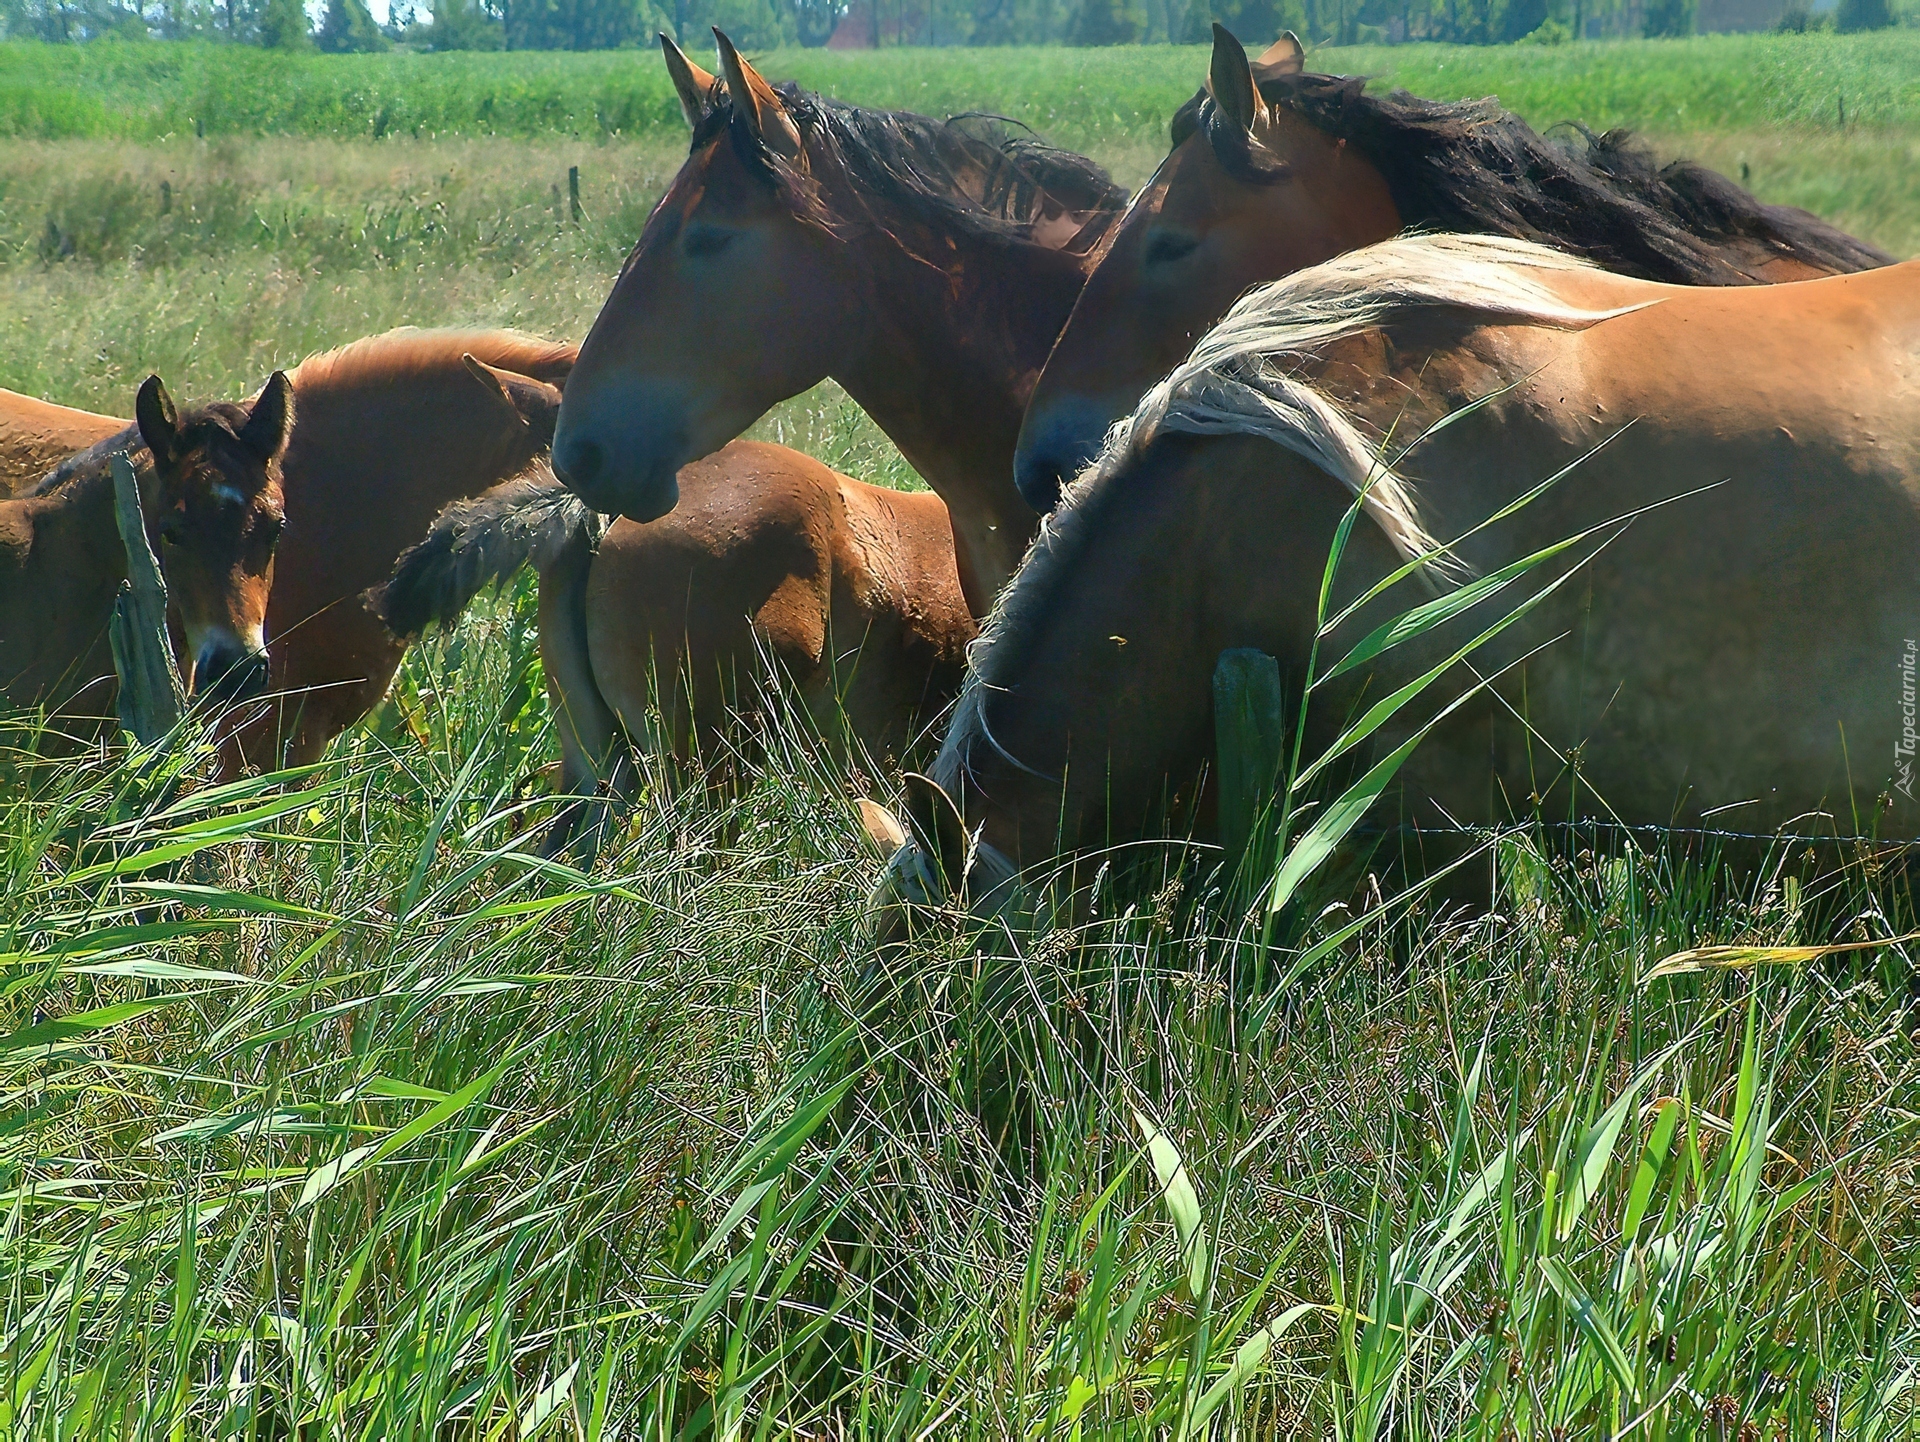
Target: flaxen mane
pixel 1237 382
pixel 1472 166
pixel 969 176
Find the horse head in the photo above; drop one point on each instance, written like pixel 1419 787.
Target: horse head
pixel 219 515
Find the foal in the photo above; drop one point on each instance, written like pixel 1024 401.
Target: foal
pixel 210 487
pixel 770 560
pixel 386 432
pixel 36 435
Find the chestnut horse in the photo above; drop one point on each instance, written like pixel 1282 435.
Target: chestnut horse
pixel 210 488
pixel 1726 648
pixel 36 435
pixel 387 431
pixel 923 267
pixel 1273 169
pixel 770 559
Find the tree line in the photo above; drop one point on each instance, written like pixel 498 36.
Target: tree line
pixel 347 25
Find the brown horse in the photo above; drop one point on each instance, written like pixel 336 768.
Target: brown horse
pixel 210 488
pixel 923 267
pixel 387 431
pixel 35 436
pixel 1273 169
pixel 1732 660
pixel 771 561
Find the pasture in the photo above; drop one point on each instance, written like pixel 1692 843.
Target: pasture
pixel 330 1111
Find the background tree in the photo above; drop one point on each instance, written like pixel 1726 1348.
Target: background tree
pixel 348 26
pixel 1669 17
pixel 1853 15
pixel 283 25
pixel 1107 22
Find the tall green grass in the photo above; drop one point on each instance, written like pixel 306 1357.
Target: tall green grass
pixel 330 1111
pixel 1082 98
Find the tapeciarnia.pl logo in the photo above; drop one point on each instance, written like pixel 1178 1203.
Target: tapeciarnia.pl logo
pixel 1903 749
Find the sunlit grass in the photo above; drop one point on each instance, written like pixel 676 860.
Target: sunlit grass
pixel 331 1109
pixel 1089 98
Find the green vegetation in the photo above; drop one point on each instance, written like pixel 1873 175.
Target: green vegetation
pixel 1080 98
pixel 330 1112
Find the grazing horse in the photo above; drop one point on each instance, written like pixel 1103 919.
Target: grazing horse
pixel 923 267
pixel 1727 647
pixel 387 431
pixel 770 557
pixel 1273 169
pixel 210 488
pixel 35 436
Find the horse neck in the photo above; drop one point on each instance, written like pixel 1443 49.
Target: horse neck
pixel 1101 712
pixel 947 370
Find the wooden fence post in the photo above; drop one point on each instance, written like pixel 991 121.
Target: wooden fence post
pixel 151 697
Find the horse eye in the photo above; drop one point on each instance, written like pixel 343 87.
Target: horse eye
pixel 706 240
pixel 1164 247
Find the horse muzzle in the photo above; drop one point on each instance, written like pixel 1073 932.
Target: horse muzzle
pixel 227 672
pixel 1056 444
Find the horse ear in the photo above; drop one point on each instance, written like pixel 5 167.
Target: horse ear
pixel 938 828
pixel 1286 56
pixel 158 421
pixel 883 828
pixel 533 403
pixel 267 428
pixel 1230 80
pixel 692 84
pixel 756 102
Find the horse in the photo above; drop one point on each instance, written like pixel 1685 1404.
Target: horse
pixel 1273 169
pixel 923 265
pixel 211 493
pixel 1729 644
pixel 771 564
pixel 36 435
pixel 387 431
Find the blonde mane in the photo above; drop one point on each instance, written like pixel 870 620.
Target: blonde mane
pixel 1236 382
pixel 398 355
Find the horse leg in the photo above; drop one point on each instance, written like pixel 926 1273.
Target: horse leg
pixel 593 759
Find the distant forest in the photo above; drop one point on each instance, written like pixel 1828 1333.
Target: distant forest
pixel 347 25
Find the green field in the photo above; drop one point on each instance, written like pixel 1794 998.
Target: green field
pixel 329 1113
pixel 1082 98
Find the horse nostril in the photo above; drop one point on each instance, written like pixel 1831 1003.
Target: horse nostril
pixel 228 673
pixel 580 462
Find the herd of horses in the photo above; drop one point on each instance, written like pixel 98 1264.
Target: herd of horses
pixel 1639 454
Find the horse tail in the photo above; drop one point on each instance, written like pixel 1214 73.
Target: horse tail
pixel 480 542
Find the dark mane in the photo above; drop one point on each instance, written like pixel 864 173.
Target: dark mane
pixel 219 415
pixel 1472 166
pixel 970 176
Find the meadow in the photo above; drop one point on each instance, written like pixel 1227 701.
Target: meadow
pixel 332 1111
